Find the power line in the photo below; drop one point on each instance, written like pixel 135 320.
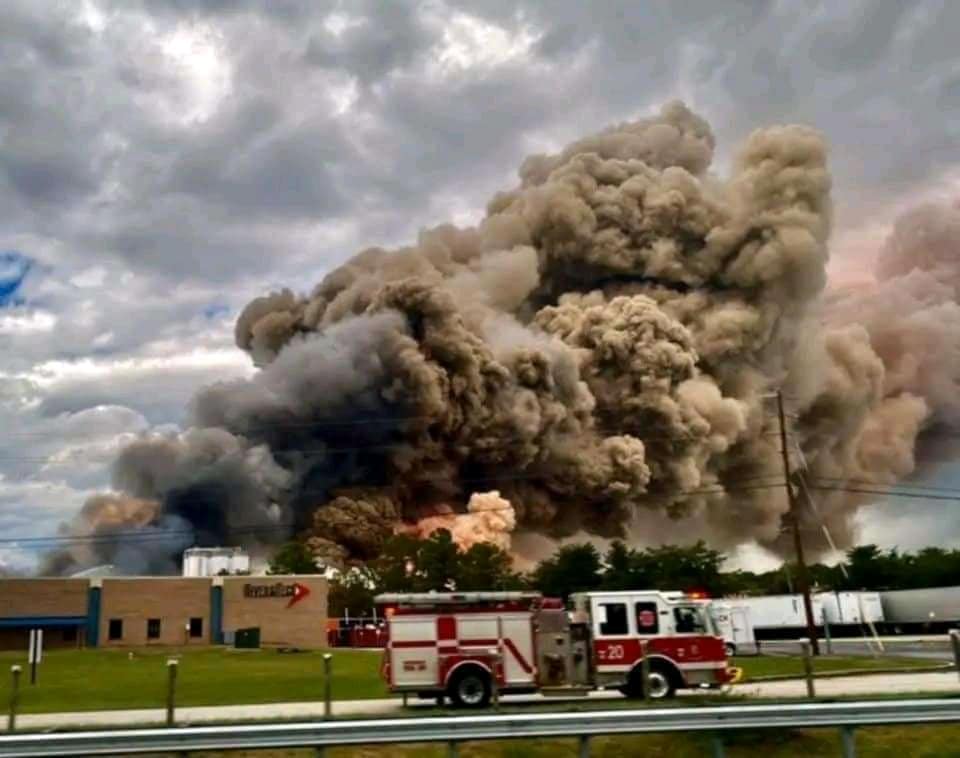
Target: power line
pixel 900 485
pixel 153 534
pixel 813 505
pixel 602 432
pixel 917 495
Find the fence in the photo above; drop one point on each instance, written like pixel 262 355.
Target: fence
pixel 714 720
pixel 356 632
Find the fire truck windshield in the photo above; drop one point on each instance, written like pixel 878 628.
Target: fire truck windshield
pixel 690 619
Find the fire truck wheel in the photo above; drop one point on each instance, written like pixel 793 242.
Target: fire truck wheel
pixel 470 688
pixel 662 684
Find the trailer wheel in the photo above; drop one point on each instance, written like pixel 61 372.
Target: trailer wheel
pixel 730 649
pixel 470 688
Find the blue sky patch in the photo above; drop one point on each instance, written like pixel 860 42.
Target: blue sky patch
pixel 14 268
pixel 215 310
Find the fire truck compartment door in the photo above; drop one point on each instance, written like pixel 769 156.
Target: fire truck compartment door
pixel 513 632
pixel 413 651
pixel 518 653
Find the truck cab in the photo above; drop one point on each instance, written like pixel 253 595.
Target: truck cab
pixel 674 630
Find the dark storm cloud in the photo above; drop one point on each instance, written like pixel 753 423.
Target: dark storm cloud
pixel 273 149
pixel 214 150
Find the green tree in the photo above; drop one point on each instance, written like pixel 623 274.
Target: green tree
pixel 696 567
pixel 408 564
pixel 870 568
pixel 353 591
pixel 437 563
pixel 397 563
pixel 573 568
pixel 619 571
pixel 293 558
pixel 486 567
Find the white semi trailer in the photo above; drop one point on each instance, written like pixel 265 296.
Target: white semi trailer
pixel 784 616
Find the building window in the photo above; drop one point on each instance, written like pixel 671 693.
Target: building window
pixel 196 627
pixel 70 634
pixel 115 631
pixel 153 629
pixel 615 619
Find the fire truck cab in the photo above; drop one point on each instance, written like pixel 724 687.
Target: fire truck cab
pixel 675 630
pixel 462 645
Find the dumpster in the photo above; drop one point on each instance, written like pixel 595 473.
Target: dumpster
pixel 247 638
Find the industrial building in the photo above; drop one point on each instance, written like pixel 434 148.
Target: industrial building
pixel 139 611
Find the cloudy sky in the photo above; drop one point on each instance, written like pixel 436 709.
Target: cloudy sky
pixel 162 162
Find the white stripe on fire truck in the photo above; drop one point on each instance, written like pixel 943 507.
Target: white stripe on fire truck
pixel 606 667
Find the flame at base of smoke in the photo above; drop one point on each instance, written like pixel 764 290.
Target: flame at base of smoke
pixel 490 518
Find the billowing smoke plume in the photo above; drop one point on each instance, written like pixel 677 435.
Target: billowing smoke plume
pixel 489 519
pixel 599 350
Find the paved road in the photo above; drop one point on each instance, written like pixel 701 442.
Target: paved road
pixel 942 682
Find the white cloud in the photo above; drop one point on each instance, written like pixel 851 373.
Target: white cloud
pixel 468 42
pixel 195 54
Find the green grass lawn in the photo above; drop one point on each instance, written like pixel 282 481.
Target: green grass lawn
pixel 78 680
pixel 97 679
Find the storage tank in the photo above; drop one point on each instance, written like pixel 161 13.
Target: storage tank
pixel 213 561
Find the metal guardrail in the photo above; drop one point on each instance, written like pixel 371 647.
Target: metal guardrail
pixel 455 729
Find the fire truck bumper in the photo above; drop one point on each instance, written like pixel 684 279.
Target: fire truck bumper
pixel 715 679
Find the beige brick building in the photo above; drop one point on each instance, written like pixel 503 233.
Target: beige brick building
pixel 167 611
pixel 155 611
pixel 58 606
pixel 289 611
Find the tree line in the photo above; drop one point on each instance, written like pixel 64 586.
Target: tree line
pixel 408 564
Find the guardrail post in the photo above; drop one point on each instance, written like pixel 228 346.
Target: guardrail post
pixel 14 698
pixel 848 742
pixel 645 670
pixel 716 745
pixel 327 685
pixel 172 664
pixel 805 647
pixel 452 749
pixel 584 746
pixel 955 642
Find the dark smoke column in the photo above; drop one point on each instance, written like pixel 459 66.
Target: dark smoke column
pixel 593 354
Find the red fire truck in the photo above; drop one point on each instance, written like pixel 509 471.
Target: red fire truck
pixel 459 645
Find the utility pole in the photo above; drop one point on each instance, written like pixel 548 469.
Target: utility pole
pixel 803 579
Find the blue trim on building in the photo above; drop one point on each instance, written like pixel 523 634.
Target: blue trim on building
pixel 36 622
pixel 93 617
pixel 216 615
